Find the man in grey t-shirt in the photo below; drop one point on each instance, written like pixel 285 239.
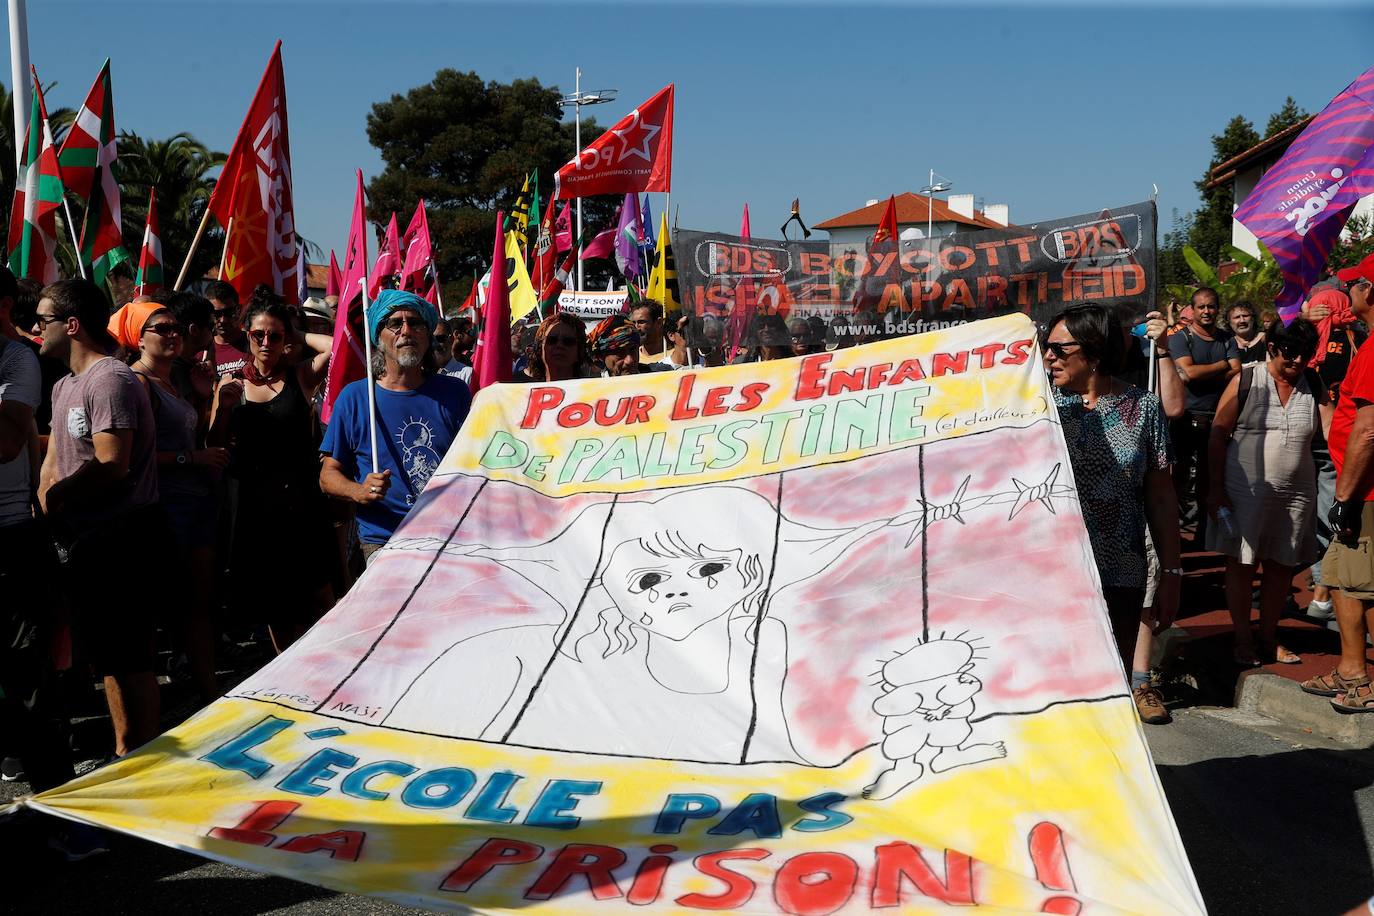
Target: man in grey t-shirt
pixel 98 487
pixel 1206 358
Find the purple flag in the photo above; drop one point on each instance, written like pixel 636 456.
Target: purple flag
pixel 627 238
pixel 1301 204
pixel 646 226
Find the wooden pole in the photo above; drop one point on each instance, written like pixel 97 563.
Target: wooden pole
pixel 195 244
pixel 224 255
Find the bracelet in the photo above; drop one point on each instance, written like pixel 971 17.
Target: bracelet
pixel 1176 571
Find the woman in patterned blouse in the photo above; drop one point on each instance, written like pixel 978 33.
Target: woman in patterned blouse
pixel 1118 445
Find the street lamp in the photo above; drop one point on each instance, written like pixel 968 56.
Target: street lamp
pixel 930 191
pixel 577 100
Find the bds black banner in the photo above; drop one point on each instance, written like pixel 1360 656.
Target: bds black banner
pixel 923 284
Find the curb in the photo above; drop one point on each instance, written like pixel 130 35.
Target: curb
pixel 1278 698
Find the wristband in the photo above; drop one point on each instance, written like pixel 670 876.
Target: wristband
pixel 1176 571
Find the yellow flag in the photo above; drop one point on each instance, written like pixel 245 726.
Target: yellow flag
pixel 523 298
pixel 663 277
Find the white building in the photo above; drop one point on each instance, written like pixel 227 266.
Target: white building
pixel 914 213
pixel 1244 171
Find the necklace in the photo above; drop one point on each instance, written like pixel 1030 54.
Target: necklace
pixel 152 371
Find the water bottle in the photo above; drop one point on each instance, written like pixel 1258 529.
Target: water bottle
pixel 1227 522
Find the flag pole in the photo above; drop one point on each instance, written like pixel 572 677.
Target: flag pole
pixel 19 74
pixel 367 368
pixel 195 245
pixel 71 230
pixel 224 255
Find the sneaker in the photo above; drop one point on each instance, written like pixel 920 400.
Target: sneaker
pixel 75 842
pixel 1150 705
pixel 11 770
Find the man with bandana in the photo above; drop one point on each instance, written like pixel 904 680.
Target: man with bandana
pixel 614 345
pixel 419 412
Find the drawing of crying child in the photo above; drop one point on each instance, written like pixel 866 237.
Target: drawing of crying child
pixel 927 700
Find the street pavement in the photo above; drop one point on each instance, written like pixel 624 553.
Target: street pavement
pixel 1275 821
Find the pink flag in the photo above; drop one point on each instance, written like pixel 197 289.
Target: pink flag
pixel 331 287
pixel 346 359
pixel 603 246
pixel 388 259
pixel 563 230
pixel 492 360
pixel 419 253
pixel 744 223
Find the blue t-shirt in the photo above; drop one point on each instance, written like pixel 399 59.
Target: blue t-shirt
pixel 414 430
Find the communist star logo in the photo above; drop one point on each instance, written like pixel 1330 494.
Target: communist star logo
pixel 636 137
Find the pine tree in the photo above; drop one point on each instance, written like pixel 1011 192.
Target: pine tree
pixel 1211 228
pixel 1285 117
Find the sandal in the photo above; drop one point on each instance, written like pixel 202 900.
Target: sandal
pixel 1276 652
pixel 1245 657
pixel 1332 684
pixel 1357 699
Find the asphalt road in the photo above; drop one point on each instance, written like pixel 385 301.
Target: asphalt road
pixel 1275 821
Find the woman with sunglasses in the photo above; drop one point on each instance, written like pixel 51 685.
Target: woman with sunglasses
pixel 1119 448
pixel 186 476
pixel 560 351
pixel 262 414
pixel 1264 501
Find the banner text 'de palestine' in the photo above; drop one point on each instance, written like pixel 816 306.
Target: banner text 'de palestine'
pixel 757 418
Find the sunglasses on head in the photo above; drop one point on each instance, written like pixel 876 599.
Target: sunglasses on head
pixel 166 329
pixel 1062 349
pixel 261 336
pixel 396 322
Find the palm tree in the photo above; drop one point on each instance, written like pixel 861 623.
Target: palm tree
pixel 178 167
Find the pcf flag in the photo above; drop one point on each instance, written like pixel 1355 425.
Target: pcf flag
pixel 675 643
pixel 254 190
pixel 1300 206
pixel 149 276
pixel 636 154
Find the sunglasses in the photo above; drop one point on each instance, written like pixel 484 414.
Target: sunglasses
pixel 1061 350
pixel 261 337
pixel 1290 352
pixel 223 313
pixel 165 329
pixel 396 322
pixel 43 321
pixel 560 340
pixel 441 338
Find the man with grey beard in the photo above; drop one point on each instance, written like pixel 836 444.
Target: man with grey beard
pixel 419 412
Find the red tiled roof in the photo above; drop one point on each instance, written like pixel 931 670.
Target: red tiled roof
pixel 911 208
pixel 316 275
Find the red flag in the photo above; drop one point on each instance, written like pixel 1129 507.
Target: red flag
pixel 887 226
pixel 419 252
pixel 388 259
pixel 563 229
pixel 545 253
pixel 603 246
pixel 469 309
pixel 634 155
pixel 742 314
pixel 492 360
pixel 331 286
pixel 254 190
pixel 346 354
pixel 744 224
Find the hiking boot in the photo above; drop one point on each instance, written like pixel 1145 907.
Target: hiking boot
pixel 1150 705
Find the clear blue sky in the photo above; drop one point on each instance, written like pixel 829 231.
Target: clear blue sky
pixel 1052 110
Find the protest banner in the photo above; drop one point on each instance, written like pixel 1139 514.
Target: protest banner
pixel 767 638
pixel 592 304
pixel 920 285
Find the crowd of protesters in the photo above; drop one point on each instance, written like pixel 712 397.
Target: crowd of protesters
pixel 164 469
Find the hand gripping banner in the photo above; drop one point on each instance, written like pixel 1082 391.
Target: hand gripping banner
pixel 810 636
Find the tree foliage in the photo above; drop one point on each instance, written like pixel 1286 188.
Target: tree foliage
pixel 178 168
pixel 465 146
pixel 1211 224
pixel 1284 118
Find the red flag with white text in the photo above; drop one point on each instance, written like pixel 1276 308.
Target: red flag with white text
pixel 636 154
pixel 346 354
pixel 254 191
